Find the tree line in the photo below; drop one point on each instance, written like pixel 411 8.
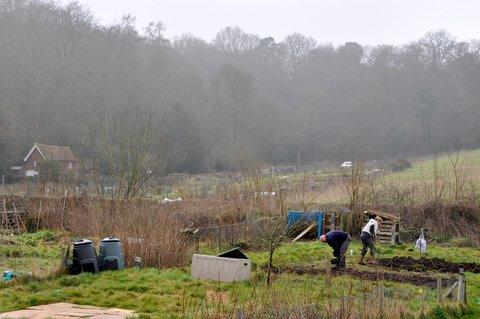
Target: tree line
pixel 118 95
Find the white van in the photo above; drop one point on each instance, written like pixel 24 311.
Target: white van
pixel 346 164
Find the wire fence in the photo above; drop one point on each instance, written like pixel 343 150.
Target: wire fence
pixel 222 235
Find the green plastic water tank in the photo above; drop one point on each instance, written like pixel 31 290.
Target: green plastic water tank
pixel 110 256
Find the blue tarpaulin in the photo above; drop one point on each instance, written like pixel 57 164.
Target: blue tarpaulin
pixel 301 216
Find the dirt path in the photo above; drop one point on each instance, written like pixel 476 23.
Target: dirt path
pixel 65 310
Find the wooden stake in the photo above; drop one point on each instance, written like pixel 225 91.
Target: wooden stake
pixel 304 232
pixel 462 297
pixel 328 273
pixel 439 290
pixel 381 297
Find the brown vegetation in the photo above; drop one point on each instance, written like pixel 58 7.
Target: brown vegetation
pixel 163 235
pixel 445 220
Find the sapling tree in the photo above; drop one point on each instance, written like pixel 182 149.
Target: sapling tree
pixel 459 175
pixel 271 229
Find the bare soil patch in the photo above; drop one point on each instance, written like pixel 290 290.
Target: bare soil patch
pixel 424 271
pixel 426 264
pixel 374 274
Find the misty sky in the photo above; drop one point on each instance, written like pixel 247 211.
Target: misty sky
pixel 368 22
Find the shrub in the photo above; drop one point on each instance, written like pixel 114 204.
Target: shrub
pixel 49 170
pixel 438 313
pixel 33 239
pixel 399 165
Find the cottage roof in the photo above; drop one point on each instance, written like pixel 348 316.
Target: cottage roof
pixel 59 153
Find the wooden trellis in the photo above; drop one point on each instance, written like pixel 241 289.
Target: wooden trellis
pixel 12 218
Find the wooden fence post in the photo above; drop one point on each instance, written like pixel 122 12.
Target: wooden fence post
pixel 439 290
pixel 328 272
pixel 381 297
pixel 462 289
pixel 245 229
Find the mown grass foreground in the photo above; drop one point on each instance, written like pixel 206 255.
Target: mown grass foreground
pixel 172 293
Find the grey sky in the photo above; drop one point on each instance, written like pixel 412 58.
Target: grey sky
pixel 368 22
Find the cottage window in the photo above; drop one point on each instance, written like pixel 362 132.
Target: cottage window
pixel 70 165
pixel 34 163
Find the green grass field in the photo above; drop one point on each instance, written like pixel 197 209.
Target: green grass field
pixel 172 293
pixel 467 162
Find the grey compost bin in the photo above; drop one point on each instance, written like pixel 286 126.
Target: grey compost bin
pixel 110 256
pixel 84 257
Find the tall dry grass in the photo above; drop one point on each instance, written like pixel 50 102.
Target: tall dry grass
pixel 156 232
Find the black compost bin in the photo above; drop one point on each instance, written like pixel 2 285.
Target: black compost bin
pixel 84 257
pixel 110 256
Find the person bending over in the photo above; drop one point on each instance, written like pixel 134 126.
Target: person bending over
pixel 339 241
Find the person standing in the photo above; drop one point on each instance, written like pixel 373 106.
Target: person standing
pixel 369 232
pixel 339 241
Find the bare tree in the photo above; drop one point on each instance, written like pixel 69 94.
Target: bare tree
pixel 234 39
pixel 354 182
pixel 74 23
pixel 459 176
pixel 436 189
pixel 237 98
pixel 135 150
pixel 297 47
pixel 438 48
pixel 270 227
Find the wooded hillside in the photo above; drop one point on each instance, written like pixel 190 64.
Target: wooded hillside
pixel 229 102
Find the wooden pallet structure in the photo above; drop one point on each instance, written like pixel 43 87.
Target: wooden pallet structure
pixel 12 219
pixel 389 228
pixel 347 221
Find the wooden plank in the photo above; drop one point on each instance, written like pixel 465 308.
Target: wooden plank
pixel 384 215
pixel 450 291
pixel 304 232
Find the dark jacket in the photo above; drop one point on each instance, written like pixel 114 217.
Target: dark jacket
pixel 335 239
